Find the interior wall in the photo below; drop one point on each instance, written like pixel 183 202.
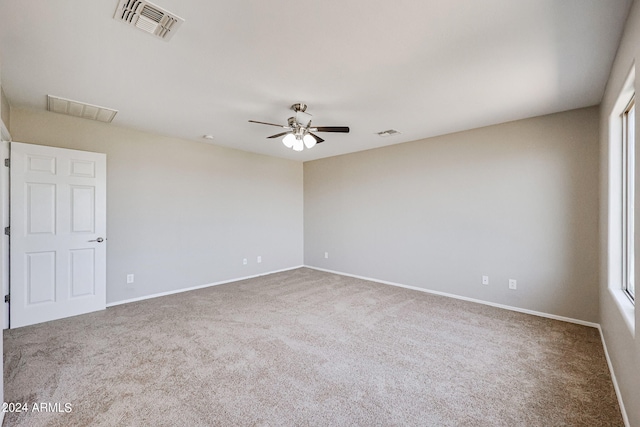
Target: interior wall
pixel 512 201
pixel 5 109
pixel 623 343
pixel 181 213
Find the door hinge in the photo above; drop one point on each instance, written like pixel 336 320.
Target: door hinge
pixel 7 231
pixel 7 298
pixel 7 162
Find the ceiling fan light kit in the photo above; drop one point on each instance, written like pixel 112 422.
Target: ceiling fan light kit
pixel 309 141
pixel 289 140
pixel 298 131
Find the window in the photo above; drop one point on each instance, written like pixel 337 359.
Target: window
pixel 628 187
pixel 621 201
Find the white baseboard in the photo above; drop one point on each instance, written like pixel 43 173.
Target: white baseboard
pixel 444 294
pixel 193 288
pixel 625 418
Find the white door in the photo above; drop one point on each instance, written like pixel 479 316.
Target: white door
pixel 58 226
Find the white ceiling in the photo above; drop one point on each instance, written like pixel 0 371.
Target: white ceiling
pixel 423 67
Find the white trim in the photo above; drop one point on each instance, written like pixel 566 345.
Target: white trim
pixel 4 222
pixel 444 294
pixel 193 288
pixel 5 139
pixel 625 418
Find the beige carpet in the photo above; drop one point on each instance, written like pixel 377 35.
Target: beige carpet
pixel 309 348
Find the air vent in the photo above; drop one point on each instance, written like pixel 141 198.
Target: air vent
pixel 148 17
pixel 80 109
pixel 388 132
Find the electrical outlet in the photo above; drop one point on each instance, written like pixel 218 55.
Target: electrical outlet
pixel 485 280
pixel 259 259
pixel 244 261
pixel 513 284
pixel 326 255
pixel 129 278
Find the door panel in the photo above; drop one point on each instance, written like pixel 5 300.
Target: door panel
pixel 82 209
pixel 83 168
pixel 41 273
pixel 41 208
pixel 83 272
pixel 58 212
pixel 45 164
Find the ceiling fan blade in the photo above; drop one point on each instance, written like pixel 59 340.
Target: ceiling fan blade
pixel 318 139
pixel 265 123
pixel 278 134
pixel 342 129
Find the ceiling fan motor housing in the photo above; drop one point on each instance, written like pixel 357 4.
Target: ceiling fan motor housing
pixel 300 106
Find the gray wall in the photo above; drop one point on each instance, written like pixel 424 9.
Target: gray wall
pixel 5 109
pixel 622 342
pixel 517 200
pixel 182 213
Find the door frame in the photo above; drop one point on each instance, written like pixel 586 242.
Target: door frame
pixel 5 141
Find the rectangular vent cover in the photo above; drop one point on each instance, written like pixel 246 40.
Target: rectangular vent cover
pixel 80 109
pixel 388 132
pixel 148 17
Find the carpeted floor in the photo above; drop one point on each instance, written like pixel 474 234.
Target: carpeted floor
pixel 309 348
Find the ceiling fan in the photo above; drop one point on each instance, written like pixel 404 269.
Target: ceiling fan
pixel 298 130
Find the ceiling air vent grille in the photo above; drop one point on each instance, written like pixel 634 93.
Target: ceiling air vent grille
pixel 388 132
pixel 148 17
pixel 80 109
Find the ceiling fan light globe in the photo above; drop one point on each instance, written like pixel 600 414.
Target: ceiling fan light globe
pixel 309 141
pixel 289 140
pixel 298 145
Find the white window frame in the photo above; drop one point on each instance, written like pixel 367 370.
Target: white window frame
pixel 619 254
pixel 627 118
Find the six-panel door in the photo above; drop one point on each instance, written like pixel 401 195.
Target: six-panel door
pixel 58 214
